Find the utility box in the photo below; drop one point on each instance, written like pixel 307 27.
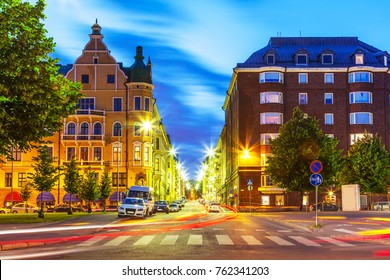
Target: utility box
pixel 350 199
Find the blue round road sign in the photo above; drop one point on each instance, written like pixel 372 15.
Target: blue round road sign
pixel 316 166
pixel 316 180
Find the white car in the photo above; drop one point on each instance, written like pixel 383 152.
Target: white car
pixel 214 207
pixel 22 207
pixel 133 207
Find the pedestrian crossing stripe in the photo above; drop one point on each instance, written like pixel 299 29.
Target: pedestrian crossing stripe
pixel 222 239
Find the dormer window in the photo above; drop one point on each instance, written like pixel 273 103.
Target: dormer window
pixel 359 58
pixel 270 59
pixel 302 59
pixel 95 59
pixel 327 58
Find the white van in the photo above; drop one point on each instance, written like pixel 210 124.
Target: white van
pixel 144 193
pixel 381 205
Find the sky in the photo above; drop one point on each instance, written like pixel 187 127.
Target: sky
pixel 194 46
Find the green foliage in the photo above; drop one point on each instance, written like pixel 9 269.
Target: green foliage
pixel 72 180
pixel 34 98
pixel 89 188
pixel 367 164
pixel 105 188
pixel 300 142
pixel 26 192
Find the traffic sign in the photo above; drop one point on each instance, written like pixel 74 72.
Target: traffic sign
pixel 316 180
pixel 316 166
pixel 249 182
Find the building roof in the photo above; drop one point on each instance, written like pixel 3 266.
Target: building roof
pixel 139 71
pixel 342 48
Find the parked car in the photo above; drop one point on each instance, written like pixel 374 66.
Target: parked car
pixel 173 207
pixel 325 206
pixel 21 208
pixel 133 207
pixel 215 207
pixel 179 203
pixel 5 210
pixel 65 208
pixel 381 205
pixel 161 206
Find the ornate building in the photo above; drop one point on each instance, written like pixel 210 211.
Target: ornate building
pixel 117 125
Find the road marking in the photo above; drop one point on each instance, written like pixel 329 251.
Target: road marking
pixel 284 230
pixel 144 240
pixel 195 239
pixel 224 240
pixel 169 240
pixel 240 229
pixel 218 229
pixel 260 230
pixel 117 241
pixel 91 241
pixel 280 241
pixel 305 241
pixel 251 240
pixel 336 242
pixel 344 230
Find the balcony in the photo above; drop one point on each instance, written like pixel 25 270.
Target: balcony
pixel 90 112
pixel 83 137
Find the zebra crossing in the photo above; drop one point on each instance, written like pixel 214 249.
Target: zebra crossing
pixel 216 238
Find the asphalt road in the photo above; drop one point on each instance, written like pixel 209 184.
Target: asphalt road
pixel 194 234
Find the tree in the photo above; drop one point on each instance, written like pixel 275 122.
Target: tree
pixel 25 193
pixel 105 188
pixel 367 164
pixel 72 181
pixel 301 141
pixel 89 188
pixel 45 174
pixel 34 98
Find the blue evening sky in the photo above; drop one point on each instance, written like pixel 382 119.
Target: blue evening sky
pixel 195 44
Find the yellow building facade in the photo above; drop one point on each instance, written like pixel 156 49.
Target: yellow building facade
pixel 116 126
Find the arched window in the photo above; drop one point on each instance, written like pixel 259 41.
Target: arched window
pixel 71 129
pixel 97 129
pixel 84 128
pixel 117 129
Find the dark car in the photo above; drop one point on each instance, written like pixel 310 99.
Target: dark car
pixel 65 208
pixel 161 206
pixel 325 206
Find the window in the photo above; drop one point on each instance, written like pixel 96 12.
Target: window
pixel 328 78
pixel 279 199
pixel 270 59
pixel 157 143
pixel 16 154
pixel 97 153
pixel 271 77
pixel 84 153
pixel 264 137
pixel 147 154
pixel 110 79
pixel 137 103
pixel 157 164
pixel 360 77
pixel 359 58
pixel 356 136
pixel 50 151
pixel 85 79
pixel 70 153
pixel 117 129
pixel 8 179
pixel 301 59
pixel 302 78
pixel 137 153
pixel 147 104
pixel 328 98
pixel 97 129
pixel 271 118
pixel 117 104
pixel 117 153
pixel 71 129
pixel 95 60
pixel 137 129
pixel 122 178
pixel 22 179
pixel 266 181
pixel 360 97
pixel 302 98
pixel 271 97
pixel 327 59
pixel 87 103
pixel 360 118
pixel 329 119
pixel 84 128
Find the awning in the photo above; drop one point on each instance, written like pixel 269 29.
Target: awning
pixel 45 197
pixel 13 196
pixel 72 198
pixel 114 196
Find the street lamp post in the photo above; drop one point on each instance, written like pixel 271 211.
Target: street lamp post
pixel 117 171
